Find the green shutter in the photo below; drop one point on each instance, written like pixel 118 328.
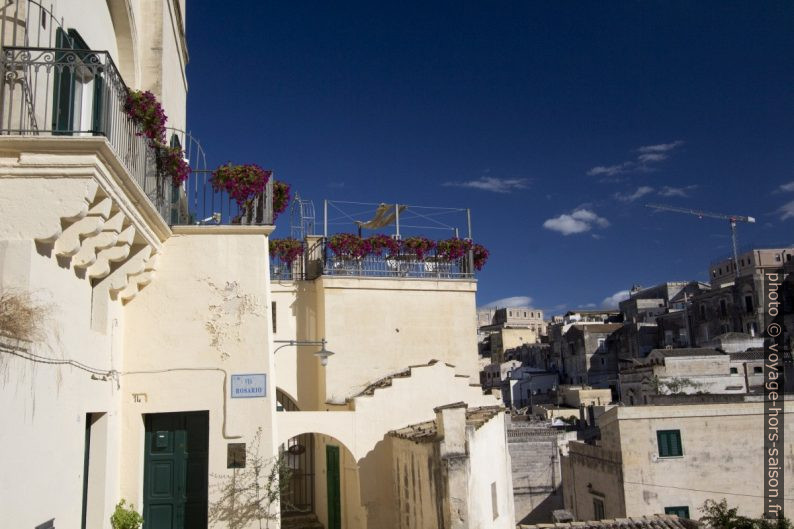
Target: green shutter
pixel 669 443
pixel 62 88
pixel 681 511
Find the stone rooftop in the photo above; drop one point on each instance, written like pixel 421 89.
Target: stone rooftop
pixel 659 521
pixel 424 432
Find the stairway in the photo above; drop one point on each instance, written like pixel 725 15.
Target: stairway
pixel 300 521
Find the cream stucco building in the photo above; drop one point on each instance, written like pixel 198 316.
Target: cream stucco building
pixel 159 362
pixel 672 457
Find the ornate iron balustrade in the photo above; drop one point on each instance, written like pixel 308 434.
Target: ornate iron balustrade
pixel 80 93
pixel 77 93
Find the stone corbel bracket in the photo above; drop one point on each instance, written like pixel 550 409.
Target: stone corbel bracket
pixel 75 195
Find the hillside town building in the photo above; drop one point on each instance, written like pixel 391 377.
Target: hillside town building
pixel 178 353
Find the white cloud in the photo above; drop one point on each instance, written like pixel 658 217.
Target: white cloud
pixel 639 193
pixel 660 147
pixel 647 156
pixel 610 170
pixel 612 301
pixel 587 306
pixel 578 221
pixel 515 301
pixel 787 187
pixel 668 191
pixel 493 184
pixel 787 211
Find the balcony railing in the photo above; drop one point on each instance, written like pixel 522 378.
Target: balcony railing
pixel 319 259
pixel 200 203
pixel 76 93
pixel 79 93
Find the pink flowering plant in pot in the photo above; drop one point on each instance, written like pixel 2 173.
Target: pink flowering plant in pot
pixel 280 198
pixel 171 161
pixel 241 182
pixel 147 113
pixel 480 254
pixel 419 246
pixel 453 249
pixel 349 246
pixel 145 110
pixel 381 244
pixel 286 250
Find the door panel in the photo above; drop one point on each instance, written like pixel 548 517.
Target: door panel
pixel 175 470
pixel 334 496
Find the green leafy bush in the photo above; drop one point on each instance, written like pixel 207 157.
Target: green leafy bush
pixel 125 517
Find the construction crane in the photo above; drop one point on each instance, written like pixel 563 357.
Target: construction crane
pixel 732 219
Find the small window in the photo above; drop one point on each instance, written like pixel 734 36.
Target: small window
pixel 748 303
pixel 723 308
pixel 758 370
pixel 669 443
pixel 734 371
pixel 494 501
pixel 681 512
pixel 598 509
pixel 777 257
pixel 702 312
pixel 603 361
pixel 273 310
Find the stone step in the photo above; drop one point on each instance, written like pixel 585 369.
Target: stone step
pixel 300 521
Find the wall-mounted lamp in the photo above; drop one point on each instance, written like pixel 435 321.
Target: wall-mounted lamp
pixel 323 354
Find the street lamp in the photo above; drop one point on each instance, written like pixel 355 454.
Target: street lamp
pixel 323 354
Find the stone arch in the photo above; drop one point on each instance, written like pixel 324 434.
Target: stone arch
pixel 126 37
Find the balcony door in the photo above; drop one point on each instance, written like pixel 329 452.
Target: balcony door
pixel 77 87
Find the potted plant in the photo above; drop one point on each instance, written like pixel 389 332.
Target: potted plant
pixel 480 255
pixel 144 110
pixel 243 182
pixel 171 161
pixel 125 517
pixel 349 246
pixel 418 246
pixel 453 249
pixel 280 198
pixel 380 243
pixel 286 250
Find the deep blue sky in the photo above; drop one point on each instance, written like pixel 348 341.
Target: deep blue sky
pixel 581 111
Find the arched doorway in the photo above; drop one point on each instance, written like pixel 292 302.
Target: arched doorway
pixel 298 452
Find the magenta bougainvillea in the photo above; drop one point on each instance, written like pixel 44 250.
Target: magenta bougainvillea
pixel 144 109
pixel 349 246
pixel 286 250
pixel 383 243
pixel 241 182
pixel 418 246
pixel 280 198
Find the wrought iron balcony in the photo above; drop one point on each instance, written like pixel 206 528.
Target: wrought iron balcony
pixel 72 93
pixel 77 93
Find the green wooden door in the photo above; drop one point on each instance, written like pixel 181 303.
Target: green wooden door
pixel 175 471
pixel 334 498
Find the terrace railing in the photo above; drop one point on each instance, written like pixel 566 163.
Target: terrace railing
pixel 77 93
pixel 404 265
pixel 200 203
